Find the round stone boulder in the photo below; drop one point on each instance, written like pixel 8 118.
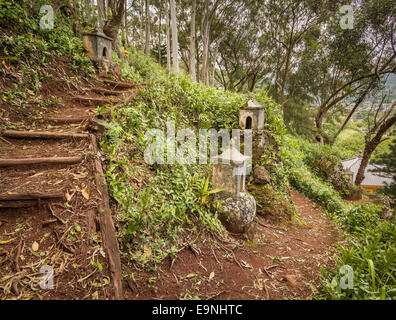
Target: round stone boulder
pixel 237 215
pixel 261 175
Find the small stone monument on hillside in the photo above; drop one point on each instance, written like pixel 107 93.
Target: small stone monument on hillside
pixel 99 48
pixel 238 208
pixel 252 116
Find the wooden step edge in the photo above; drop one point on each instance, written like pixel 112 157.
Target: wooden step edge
pixel 108 92
pixel 91 99
pixel 39 161
pixel 43 135
pixel 66 120
pixel 117 84
pixel 107 228
pixel 16 204
pixel 14 196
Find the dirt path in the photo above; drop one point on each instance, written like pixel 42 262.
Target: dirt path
pixel 278 264
pixel 57 214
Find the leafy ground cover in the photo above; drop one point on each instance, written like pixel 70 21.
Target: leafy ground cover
pixel 370 251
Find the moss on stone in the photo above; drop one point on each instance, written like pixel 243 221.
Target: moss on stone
pixel 270 204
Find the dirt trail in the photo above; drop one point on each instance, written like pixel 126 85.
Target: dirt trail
pixel 73 231
pixel 279 264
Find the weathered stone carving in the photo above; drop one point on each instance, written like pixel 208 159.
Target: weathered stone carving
pixel 99 48
pixel 252 116
pixel 238 208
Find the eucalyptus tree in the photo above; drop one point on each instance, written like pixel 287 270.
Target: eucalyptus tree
pixel 168 38
pixel 147 46
pixel 381 118
pixel 357 58
pixel 175 43
pixel 192 67
pixel 113 22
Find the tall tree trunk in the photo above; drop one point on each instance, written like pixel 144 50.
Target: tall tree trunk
pixel 101 12
pixel 142 31
pixel 253 84
pixel 175 42
pixel 284 79
pixel 192 40
pixel 319 125
pixel 371 145
pixel 159 34
pixel 126 41
pixel 197 65
pixel 168 38
pixel 147 47
pixel 112 25
pixel 205 53
pixel 106 9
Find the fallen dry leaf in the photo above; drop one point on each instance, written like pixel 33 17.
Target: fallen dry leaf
pixel 85 193
pixel 35 246
pixel 211 276
pixel 4 64
pixel 80 176
pixel 68 196
pixel 147 251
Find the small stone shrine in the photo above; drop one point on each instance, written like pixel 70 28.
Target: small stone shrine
pixel 238 208
pixel 252 116
pixel 99 48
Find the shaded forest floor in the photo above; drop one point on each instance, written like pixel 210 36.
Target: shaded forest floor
pixel 280 263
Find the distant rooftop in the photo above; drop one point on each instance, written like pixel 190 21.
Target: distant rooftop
pixel 371 178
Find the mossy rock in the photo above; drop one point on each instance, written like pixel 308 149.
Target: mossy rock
pixel 237 215
pixel 330 169
pixel 270 204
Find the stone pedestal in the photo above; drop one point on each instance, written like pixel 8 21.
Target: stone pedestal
pixel 237 215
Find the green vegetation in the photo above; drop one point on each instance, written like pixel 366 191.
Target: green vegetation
pixel 351 141
pixel 31 50
pixel 170 204
pixel 388 162
pixel 161 208
pixel 170 201
pixel 370 250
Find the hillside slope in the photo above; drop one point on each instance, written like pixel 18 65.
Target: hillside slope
pixel 158 234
